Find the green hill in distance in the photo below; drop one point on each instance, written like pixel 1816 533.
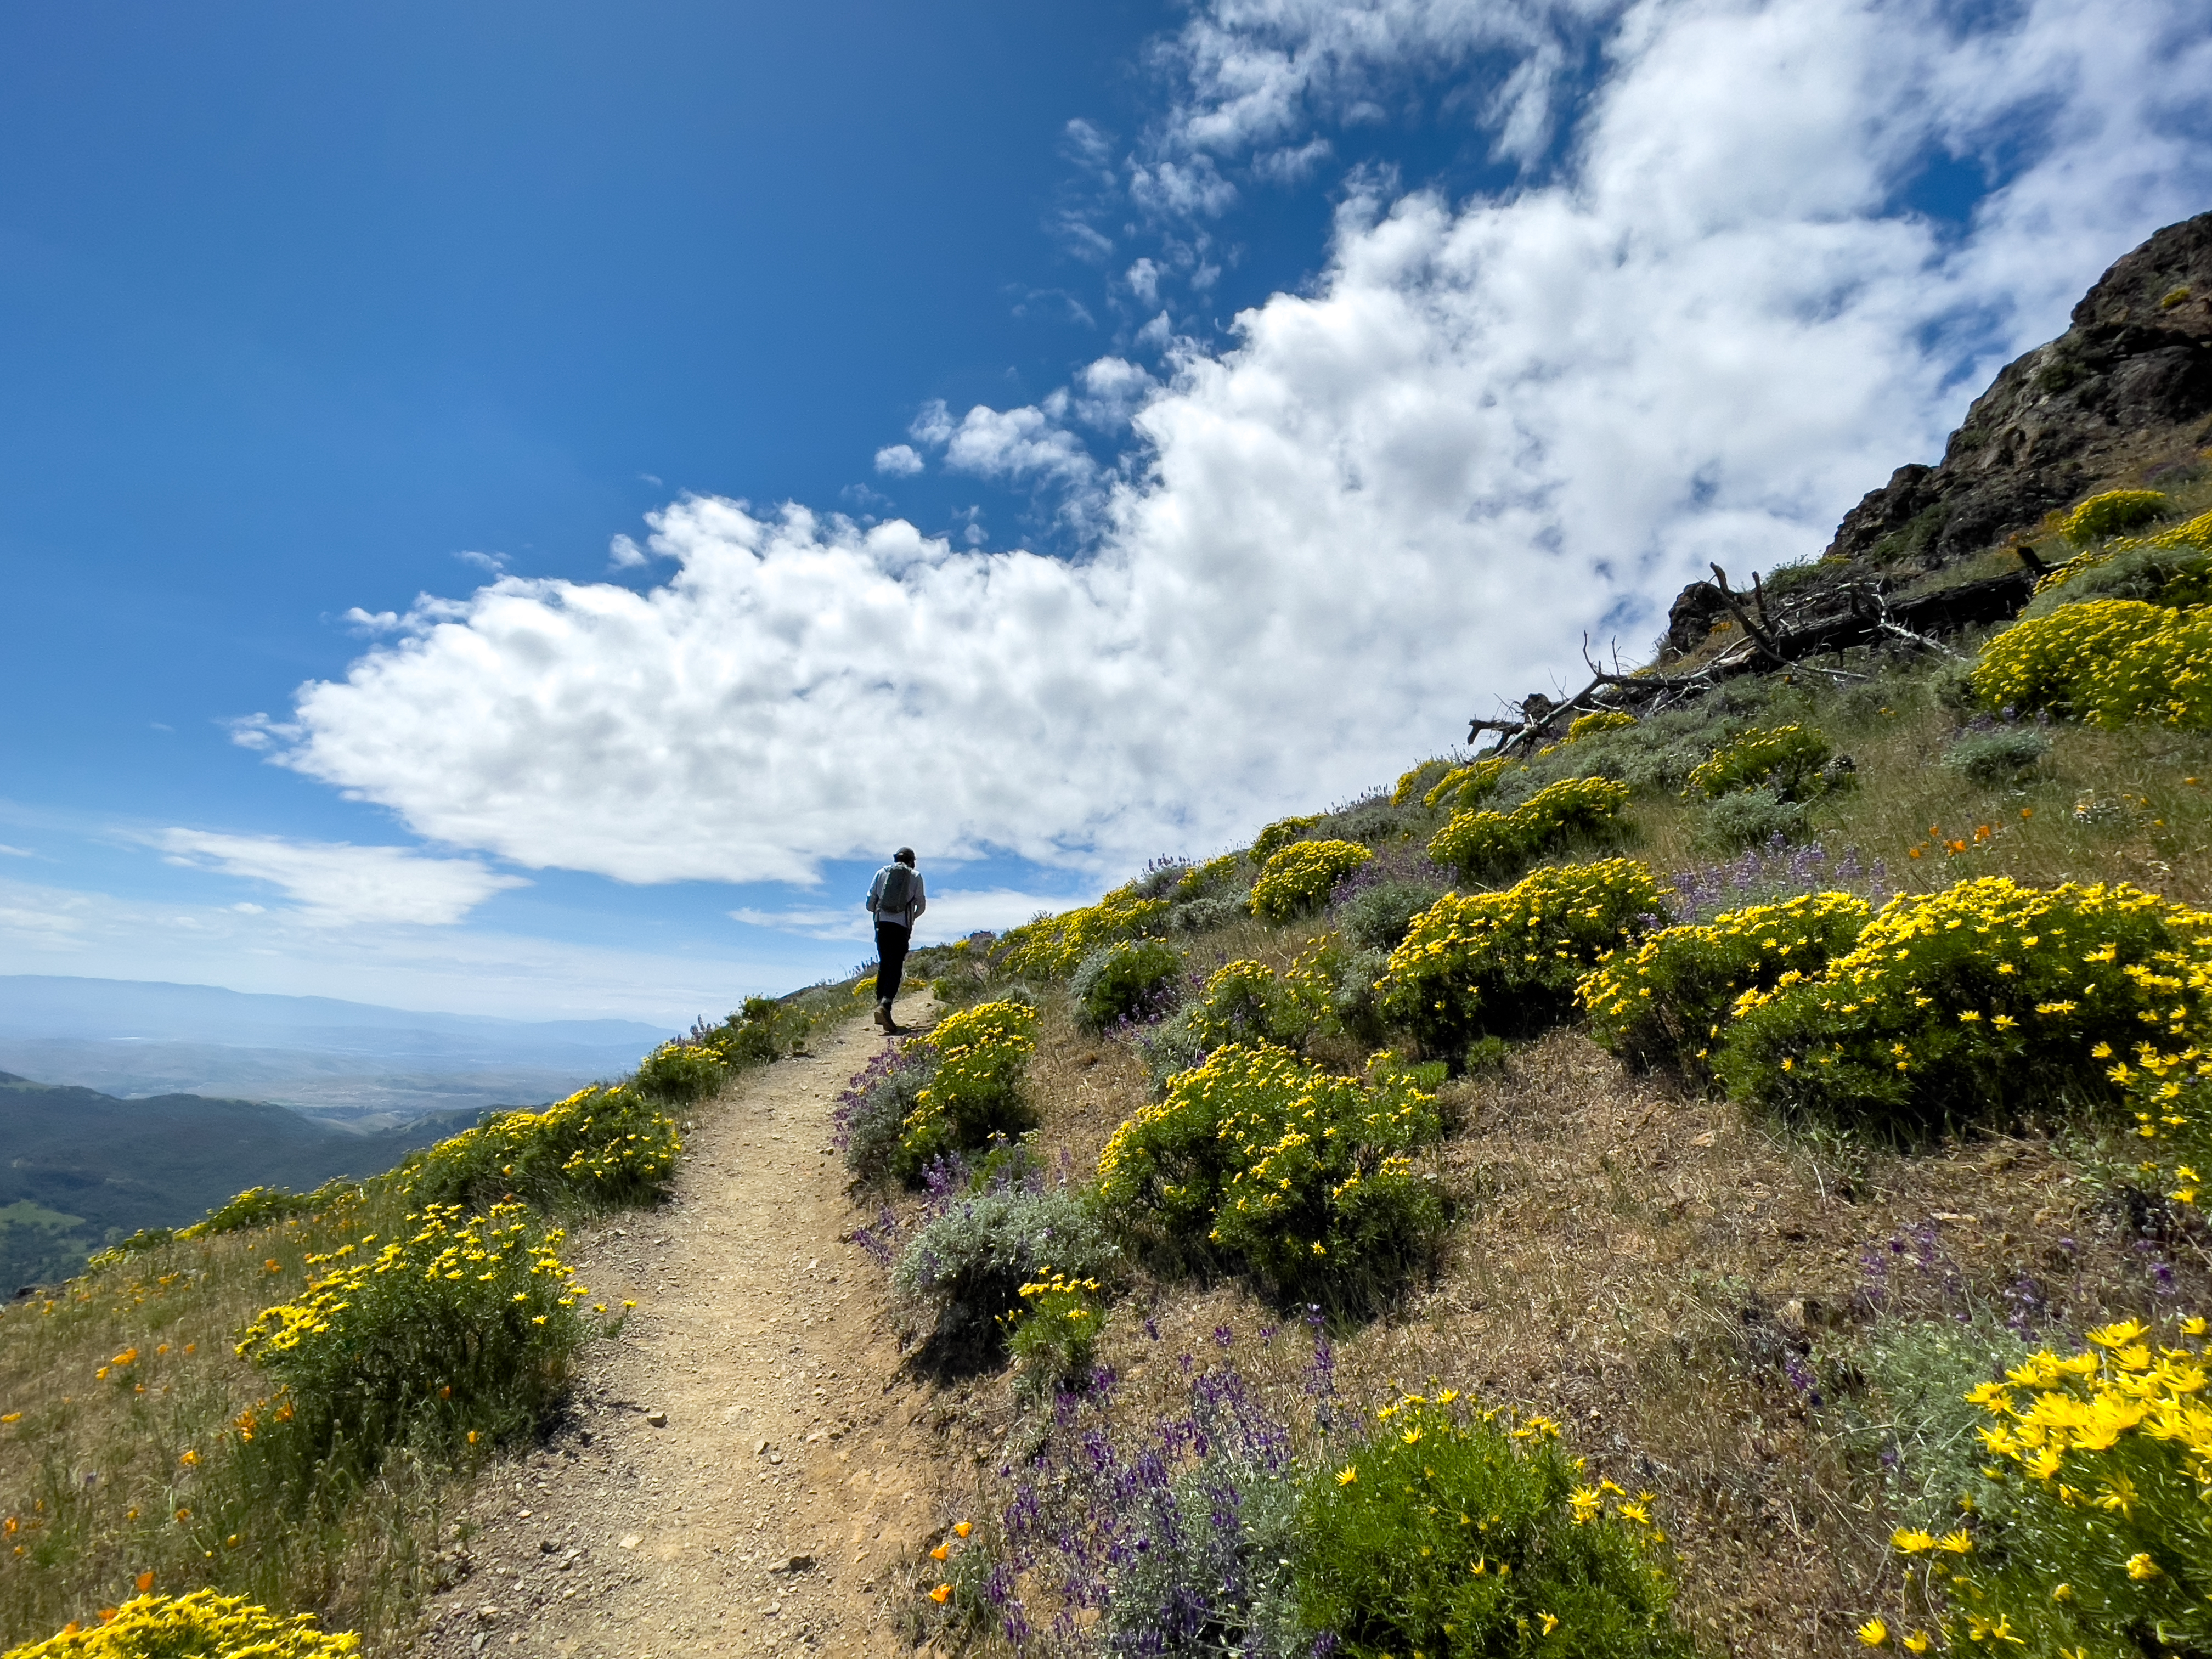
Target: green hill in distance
pixel 79 1169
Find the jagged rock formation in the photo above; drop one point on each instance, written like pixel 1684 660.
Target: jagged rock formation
pixel 2126 392
pixel 2122 397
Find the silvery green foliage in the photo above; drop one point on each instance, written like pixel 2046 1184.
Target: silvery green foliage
pixel 1751 817
pixel 875 1106
pixel 1378 916
pixel 1129 981
pixel 1353 998
pixel 1204 915
pixel 1171 1047
pixel 974 1257
pixel 1997 757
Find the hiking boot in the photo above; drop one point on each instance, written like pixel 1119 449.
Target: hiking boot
pixel 883 1017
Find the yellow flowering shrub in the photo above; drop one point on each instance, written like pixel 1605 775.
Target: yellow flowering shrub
pixel 1666 1001
pixel 2105 661
pixel 2095 1537
pixel 466 1322
pixel 681 1073
pixel 1300 876
pixel 2110 513
pixel 1465 786
pixel 1606 720
pixel 1302 1176
pixel 1201 879
pixel 1786 759
pixel 2176 566
pixel 600 1145
pixel 1508 962
pixel 1484 843
pixel 1411 786
pixel 1054 946
pixel 200 1625
pixel 1442 1529
pixel 1247 1001
pixel 1056 1330
pixel 1985 1000
pixel 1280 833
pixel 975 1091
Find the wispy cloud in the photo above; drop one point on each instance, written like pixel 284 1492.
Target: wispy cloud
pixel 338 884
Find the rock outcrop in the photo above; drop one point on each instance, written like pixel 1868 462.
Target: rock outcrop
pixel 2123 394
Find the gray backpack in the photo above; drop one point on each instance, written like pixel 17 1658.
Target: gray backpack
pixel 898 891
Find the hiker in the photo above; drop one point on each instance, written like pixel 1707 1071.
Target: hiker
pixel 895 899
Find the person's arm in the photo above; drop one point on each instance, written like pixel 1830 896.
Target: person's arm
pixel 875 892
pixel 920 902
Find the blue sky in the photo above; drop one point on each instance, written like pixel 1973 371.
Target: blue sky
pixel 515 510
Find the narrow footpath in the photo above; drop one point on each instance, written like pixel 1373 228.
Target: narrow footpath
pixel 746 1466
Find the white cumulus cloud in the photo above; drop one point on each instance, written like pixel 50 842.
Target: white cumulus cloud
pixel 1489 426
pixel 336 884
pixel 898 460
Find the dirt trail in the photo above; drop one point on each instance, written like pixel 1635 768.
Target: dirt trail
pixel 655 1522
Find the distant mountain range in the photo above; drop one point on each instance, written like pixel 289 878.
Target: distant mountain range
pixel 349 1063
pixel 79 1169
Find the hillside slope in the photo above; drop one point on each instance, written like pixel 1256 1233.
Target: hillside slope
pixel 82 1168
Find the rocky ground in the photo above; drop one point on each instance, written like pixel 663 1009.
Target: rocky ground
pixel 746 1469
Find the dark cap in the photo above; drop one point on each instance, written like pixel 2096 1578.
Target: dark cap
pixel 905 855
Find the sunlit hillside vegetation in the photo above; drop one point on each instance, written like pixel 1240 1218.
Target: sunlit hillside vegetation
pixel 270 1414
pixel 1724 1180
pixel 1727 1180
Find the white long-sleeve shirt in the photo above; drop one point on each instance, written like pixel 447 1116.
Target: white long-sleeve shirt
pixel 916 904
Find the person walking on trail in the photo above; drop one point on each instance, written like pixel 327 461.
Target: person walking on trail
pixel 894 900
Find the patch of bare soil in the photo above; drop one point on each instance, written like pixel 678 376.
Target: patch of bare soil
pixel 745 1467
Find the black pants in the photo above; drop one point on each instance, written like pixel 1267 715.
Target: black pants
pixel 890 954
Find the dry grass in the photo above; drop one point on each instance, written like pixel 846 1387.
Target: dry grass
pixel 94 1475
pixel 1667 1276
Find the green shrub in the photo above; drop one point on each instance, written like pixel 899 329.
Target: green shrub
pixel 1982 1001
pixel 971 1261
pixel 1212 879
pixel 2108 514
pixel 599 1146
pixel 1123 981
pixel 1412 785
pixel 874 1110
pixel 2105 661
pixel 1605 719
pixel 680 1072
pixel 1997 757
pixel 1667 1000
pixel 974 1096
pixel 1378 916
pixel 1280 833
pixel 1464 788
pixel 1204 915
pixel 1054 946
pixel 1786 759
pixel 1481 962
pixel 1247 1001
pixel 1300 877
pixel 1749 818
pixel 2172 568
pixel 1480 844
pixel 2089 1535
pixel 1301 1176
pixel 1055 1331
pixel 762 1030
pixel 461 1330
pixel 1446 1531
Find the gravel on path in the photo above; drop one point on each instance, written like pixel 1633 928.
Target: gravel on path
pixel 745 1467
